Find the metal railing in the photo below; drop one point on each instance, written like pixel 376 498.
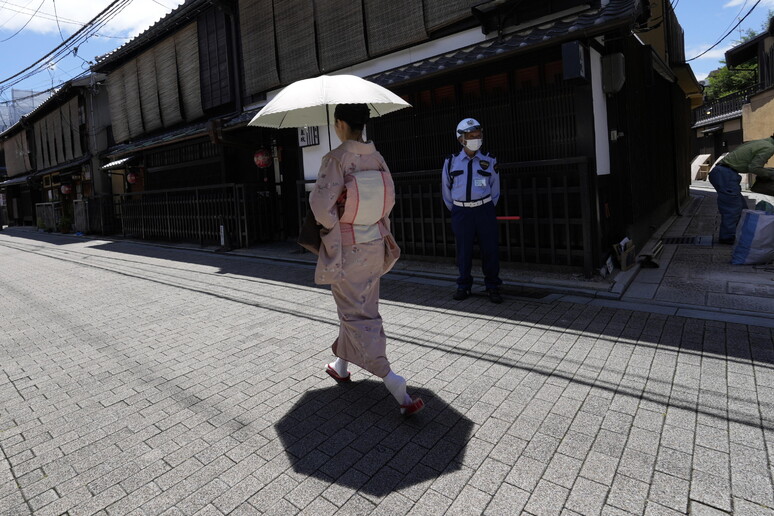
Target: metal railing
pixel 199 214
pixel 551 199
pixel 724 106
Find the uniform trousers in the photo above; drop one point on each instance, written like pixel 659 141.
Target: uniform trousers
pixel 467 224
pixel 731 202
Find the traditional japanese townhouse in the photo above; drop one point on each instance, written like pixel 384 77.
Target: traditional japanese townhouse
pixel 18 198
pixel 589 120
pixel 51 155
pixel 586 104
pixel 758 106
pixel 180 171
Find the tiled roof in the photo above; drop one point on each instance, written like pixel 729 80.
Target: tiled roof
pixel 182 133
pixel 589 23
pixel 62 166
pixel 717 119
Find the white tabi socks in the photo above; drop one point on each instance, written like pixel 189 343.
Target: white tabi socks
pixel 340 366
pixel 397 387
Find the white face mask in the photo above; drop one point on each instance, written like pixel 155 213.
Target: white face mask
pixel 474 145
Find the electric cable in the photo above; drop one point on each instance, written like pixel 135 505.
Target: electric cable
pixel 80 36
pixel 26 11
pixel 727 34
pixel 25 24
pixel 56 15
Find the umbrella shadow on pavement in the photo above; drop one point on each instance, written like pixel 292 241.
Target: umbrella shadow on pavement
pixel 354 436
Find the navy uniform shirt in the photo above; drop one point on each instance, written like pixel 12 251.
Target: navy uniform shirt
pixel 469 179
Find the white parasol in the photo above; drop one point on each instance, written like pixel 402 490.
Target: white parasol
pixel 311 102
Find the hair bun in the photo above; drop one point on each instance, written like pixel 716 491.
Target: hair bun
pixel 352 113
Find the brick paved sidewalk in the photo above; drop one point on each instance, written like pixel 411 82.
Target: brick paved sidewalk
pixel 142 380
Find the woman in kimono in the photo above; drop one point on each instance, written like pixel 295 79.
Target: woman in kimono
pixel 352 199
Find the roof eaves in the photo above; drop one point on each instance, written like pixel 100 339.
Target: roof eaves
pixel 744 52
pixel 716 119
pixel 593 22
pixel 167 138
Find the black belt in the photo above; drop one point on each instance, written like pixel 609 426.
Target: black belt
pixel 729 167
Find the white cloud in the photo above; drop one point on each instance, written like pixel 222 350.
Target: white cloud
pixel 737 3
pixel 72 14
pixel 716 54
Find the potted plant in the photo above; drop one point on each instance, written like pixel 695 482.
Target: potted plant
pixel 65 224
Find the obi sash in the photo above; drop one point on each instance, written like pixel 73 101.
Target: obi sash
pixel 370 196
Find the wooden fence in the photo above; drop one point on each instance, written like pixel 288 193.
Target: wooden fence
pixel 546 214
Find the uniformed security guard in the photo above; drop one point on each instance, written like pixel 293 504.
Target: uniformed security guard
pixel 471 188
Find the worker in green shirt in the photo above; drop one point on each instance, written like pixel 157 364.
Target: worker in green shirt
pixel 749 158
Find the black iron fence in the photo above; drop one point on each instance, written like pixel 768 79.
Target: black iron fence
pixel 545 214
pixel 727 106
pixel 233 214
pixel 103 215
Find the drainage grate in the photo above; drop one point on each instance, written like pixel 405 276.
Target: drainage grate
pixel 679 240
pixel 688 240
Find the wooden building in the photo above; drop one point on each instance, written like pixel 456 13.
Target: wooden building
pixel 586 103
pixel 51 155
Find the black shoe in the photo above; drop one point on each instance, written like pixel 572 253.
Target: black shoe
pixel 494 295
pixel 462 293
pixel 726 241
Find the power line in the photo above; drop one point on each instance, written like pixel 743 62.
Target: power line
pixel 25 24
pixel 56 15
pixel 42 14
pixel 62 50
pixel 727 33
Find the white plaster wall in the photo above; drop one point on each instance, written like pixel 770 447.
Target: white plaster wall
pixel 601 141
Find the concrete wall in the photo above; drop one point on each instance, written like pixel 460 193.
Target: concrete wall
pixel 758 118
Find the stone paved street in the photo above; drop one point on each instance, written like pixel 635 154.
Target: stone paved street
pixel 136 379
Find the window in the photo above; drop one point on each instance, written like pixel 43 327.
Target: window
pixel 471 89
pixel 553 72
pixel 528 77
pixel 496 84
pixel 444 95
pixel 214 53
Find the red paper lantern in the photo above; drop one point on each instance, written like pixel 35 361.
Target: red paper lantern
pixel 131 178
pixel 66 189
pixel 262 158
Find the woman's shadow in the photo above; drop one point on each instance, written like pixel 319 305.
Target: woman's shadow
pixel 353 435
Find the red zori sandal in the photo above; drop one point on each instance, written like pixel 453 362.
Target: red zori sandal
pixel 412 408
pixel 340 379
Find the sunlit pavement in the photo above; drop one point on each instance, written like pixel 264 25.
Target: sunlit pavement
pixel 138 379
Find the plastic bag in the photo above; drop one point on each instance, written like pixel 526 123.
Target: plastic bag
pixel 754 239
pixel 765 206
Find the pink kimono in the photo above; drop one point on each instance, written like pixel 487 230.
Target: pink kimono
pixel 352 199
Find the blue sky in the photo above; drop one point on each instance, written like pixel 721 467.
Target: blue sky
pixel 29 30
pixel 706 21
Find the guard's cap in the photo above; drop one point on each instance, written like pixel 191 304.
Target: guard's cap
pixel 467 125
